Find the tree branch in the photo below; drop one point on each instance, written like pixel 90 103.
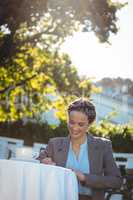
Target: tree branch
pixel 12 87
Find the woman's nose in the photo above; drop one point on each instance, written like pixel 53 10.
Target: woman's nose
pixel 75 127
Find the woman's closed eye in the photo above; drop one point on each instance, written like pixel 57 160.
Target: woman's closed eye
pixel 81 124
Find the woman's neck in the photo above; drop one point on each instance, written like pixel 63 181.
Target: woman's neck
pixel 78 141
pixel 76 145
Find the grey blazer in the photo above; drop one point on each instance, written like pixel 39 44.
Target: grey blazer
pixel 103 170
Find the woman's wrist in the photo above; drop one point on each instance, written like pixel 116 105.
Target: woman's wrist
pixel 83 180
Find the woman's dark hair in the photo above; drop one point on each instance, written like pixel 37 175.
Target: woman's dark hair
pixel 85 106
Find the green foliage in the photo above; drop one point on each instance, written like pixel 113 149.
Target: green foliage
pixel 32 76
pixel 30 64
pixel 120 135
pixel 25 85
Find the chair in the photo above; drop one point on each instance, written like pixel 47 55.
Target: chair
pixel 11 144
pixel 4 151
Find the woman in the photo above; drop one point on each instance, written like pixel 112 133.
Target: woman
pixel 89 157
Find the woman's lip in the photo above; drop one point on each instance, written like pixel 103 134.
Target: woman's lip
pixel 75 133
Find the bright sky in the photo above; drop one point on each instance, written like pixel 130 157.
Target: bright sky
pixel 102 60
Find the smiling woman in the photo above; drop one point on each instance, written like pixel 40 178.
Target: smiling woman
pixel 89 157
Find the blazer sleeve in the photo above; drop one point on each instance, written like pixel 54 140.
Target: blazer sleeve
pixel 111 178
pixel 47 152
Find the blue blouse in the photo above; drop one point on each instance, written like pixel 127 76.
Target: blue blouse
pixel 81 163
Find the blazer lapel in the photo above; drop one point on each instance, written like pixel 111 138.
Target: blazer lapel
pixel 63 149
pixel 94 155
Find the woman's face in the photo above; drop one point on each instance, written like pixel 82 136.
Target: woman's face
pixel 77 124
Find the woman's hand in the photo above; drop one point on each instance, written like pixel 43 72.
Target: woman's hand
pixel 48 161
pixel 80 175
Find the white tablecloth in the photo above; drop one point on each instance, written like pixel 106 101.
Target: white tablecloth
pixel 21 180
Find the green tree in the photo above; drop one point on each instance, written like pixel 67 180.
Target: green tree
pixel 30 36
pixel 25 85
